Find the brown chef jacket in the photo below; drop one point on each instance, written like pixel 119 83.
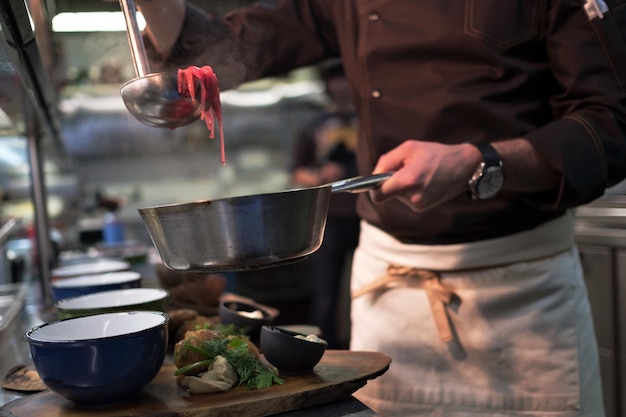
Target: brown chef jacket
pixel 447 71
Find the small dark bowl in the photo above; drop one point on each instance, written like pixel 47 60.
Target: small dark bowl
pixel 102 359
pixel 289 354
pixel 233 312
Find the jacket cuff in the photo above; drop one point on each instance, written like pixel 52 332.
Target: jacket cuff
pixel 572 147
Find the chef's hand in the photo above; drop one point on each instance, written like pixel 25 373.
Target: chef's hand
pixel 164 20
pixel 426 174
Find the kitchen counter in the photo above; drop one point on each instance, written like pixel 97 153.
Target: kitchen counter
pixel 601 239
pixel 14 351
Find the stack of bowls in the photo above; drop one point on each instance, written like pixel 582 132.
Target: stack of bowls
pixel 101 359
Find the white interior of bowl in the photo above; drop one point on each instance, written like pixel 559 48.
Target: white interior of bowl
pixel 97 326
pixel 248 310
pixel 114 298
pixel 109 278
pixel 91 268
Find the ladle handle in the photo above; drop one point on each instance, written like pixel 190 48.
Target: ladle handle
pixel 137 48
pixel 359 184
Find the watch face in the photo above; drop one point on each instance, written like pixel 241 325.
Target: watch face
pixel 490 183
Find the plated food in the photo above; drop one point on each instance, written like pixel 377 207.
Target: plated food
pixel 218 359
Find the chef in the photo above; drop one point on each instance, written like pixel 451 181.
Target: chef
pixel 497 119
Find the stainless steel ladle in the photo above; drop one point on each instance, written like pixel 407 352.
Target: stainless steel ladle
pixel 153 98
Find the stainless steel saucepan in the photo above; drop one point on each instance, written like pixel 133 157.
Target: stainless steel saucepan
pixel 246 232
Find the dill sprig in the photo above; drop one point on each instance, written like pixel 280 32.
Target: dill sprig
pixel 253 373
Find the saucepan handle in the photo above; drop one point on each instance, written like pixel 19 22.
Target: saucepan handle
pixel 359 184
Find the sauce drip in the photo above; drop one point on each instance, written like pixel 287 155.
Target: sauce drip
pixel 209 97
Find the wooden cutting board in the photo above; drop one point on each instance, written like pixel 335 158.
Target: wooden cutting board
pixel 339 374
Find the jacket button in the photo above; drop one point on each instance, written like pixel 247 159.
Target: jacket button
pixel 373 17
pixel 376 94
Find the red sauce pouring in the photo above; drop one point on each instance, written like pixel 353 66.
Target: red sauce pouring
pixel 209 97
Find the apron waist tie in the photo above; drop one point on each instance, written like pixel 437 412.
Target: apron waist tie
pixel 438 296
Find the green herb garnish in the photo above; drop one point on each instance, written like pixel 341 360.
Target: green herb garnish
pixel 225 329
pixel 252 373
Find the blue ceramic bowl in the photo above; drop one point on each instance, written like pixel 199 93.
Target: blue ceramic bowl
pixel 132 299
pixel 101 359
pixel 90 284
pixel 89 267
pixel 289 351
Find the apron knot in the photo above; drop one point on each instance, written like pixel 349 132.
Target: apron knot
pixel 438 295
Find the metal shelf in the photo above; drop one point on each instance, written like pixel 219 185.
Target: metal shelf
pixel 29 98
pixel 11 301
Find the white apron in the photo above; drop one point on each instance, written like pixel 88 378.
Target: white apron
pixel 516 339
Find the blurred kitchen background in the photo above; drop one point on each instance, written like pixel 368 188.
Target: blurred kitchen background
pixel 97 158
pixel 69 150
pixel 116 156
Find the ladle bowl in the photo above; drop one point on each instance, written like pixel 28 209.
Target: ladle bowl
pixel 154 100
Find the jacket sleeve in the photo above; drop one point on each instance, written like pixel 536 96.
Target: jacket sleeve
pixel 266 39
pixel 587 141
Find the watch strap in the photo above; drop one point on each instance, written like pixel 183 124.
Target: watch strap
pixel 490 155
pixel 490 167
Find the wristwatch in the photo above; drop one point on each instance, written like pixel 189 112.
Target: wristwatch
pixel 488 178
